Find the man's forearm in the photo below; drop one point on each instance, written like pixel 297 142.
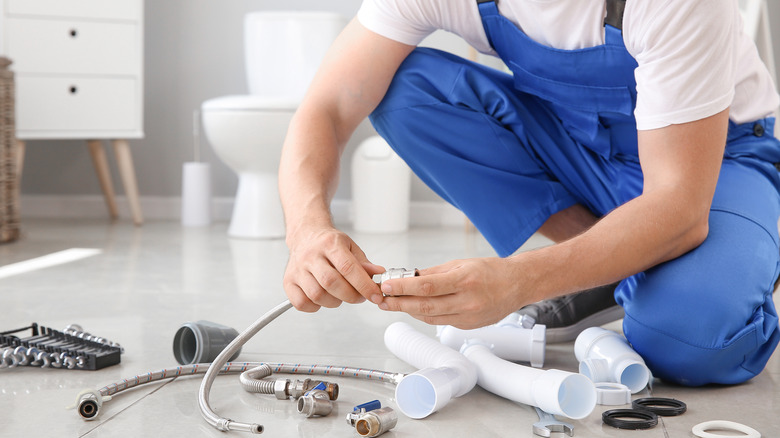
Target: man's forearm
pixel 308 171
pixel 636 236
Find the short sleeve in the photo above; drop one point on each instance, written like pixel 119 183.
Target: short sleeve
pixel 686 52
pixel 404 21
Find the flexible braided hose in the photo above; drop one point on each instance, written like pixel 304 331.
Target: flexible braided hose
pixel 209 415
pixel 252 380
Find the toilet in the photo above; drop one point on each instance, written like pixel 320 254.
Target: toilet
pixel 282 51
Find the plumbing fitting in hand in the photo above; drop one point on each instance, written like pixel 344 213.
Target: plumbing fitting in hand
pixel 394 273
pixel 510 339
pixel 606 356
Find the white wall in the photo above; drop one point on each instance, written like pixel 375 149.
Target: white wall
pixel 193 51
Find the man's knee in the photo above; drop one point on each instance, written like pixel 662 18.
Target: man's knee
pixel 687 346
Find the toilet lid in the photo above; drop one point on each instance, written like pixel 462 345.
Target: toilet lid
pixel 250 102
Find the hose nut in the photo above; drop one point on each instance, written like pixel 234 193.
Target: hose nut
pixel 281 389
pixel 376 422
pixel 315 403
pixel 300 387
pixel 88 403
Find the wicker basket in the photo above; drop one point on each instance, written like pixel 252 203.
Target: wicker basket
pixel 9 184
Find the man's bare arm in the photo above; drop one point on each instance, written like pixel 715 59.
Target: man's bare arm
pixel 326 267
pixel 680 163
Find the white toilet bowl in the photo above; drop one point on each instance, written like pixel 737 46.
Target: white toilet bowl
pixel 282 51
pixel 246 132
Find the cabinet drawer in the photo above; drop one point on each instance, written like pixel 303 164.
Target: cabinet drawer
pixel 72 47
pixel 75 104
pixel 106 9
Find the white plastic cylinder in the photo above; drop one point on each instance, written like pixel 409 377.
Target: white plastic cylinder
pixel 444 373
pixel 606 356
pixel 510 342
pixel 381 187
pixel 196 194
pixel 554 391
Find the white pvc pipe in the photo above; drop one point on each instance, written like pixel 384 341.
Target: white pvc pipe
pixel 554 391
pixel 605 356
pixel 444 373
pixel 508 341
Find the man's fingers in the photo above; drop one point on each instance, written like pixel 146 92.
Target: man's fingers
pixel 421 306
pixel 317 294
pixel 299 299
pixel 429 285
pixel 359 281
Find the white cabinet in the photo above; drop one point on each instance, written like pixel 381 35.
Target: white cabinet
pixel 79 75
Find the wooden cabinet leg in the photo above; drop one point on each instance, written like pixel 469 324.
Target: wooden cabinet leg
pixel 124 161
pixel 104 175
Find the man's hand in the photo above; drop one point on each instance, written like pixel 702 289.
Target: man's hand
pixel 467 293
pixel 326 268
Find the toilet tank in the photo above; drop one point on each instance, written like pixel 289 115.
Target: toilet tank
pixel 282 50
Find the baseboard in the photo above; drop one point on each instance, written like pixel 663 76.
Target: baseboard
pixel 421 213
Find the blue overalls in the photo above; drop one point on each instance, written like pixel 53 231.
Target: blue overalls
pixel 511 150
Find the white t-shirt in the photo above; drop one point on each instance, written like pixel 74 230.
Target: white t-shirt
pixel 694 59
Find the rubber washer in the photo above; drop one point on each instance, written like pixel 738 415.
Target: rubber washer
pixel 665 407
pixel 616 418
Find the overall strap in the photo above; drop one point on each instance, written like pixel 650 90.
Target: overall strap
pixel 615 9
pixel 488 9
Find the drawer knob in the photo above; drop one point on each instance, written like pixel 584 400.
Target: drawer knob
pixel 74 33
pixel 73 89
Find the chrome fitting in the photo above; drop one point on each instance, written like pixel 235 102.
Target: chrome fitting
pixel 332 389
pixel 281 389
pixel 88 404
pixel 394 273
pixel 315 402
pixel 298 388
pixel 376 422
pixel 361 409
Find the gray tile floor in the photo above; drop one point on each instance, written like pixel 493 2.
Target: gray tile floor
pixel 148 281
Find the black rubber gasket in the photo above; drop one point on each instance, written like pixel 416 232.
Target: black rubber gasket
pixel 665 407
pixel 616 418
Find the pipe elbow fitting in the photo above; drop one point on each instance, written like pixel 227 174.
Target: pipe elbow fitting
pixel 554 391
pixel 444 373
pixel 315 403
pixel 606 356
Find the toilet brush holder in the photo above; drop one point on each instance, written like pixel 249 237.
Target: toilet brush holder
pixel 196 194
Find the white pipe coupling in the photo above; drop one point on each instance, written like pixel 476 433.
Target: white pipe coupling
pixel 554 391
pixel 444 373
pixel 606 356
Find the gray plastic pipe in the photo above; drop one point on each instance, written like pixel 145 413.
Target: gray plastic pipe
pixel 606 356
pixel 508 338
pixel 444 373
pixel 554 391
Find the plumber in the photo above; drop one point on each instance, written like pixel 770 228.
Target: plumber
pixel 637 135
